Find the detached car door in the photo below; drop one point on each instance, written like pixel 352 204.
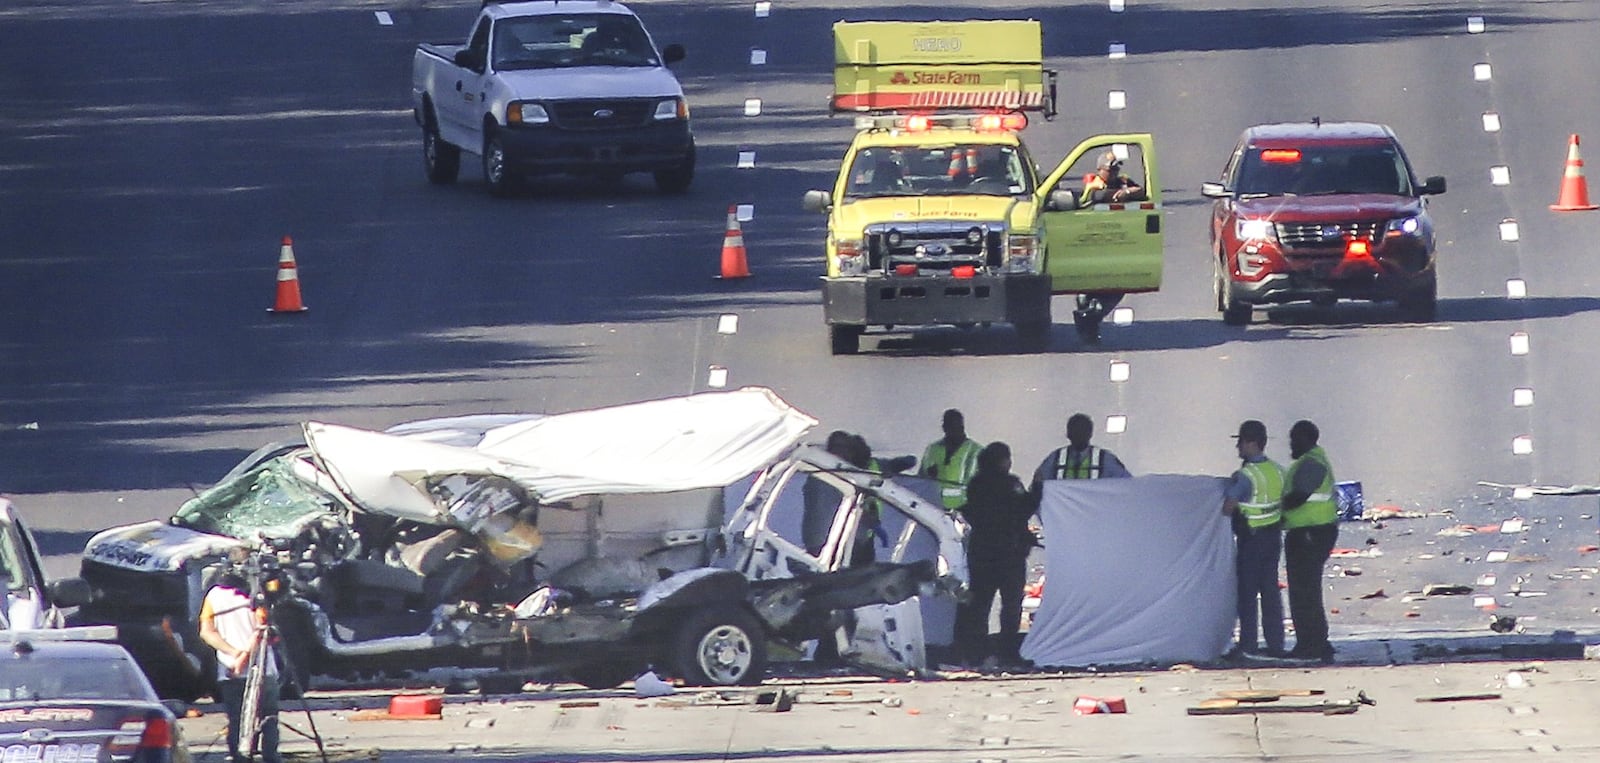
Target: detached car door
pixel 1098 246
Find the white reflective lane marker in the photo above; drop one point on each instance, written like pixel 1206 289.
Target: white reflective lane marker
pixel 744 213
pixel 1118 50
pixel 752 107
pixel 1482 72
pixel 747 159
pixel 1116 423
pixel 384 19
pixel 1499 175
pixel 1522 493
pixel 1117 99
pixel 1122 316
pixel 1519 343
pixel 757 56
pixel 1119 370
pixel 728 324
pixel 1474 24
pixel 718 377
pixel 1522 445
pixel 1509 230
pixel 763 9
pixel 1491 122
pixel 1516 288
pixel 1116 6
pixel 1522 397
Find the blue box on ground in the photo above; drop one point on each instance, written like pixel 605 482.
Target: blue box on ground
pixel 1348 496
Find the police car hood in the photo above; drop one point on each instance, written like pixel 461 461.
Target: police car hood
pixel 155 546
pixel 888 210
pixel 685 443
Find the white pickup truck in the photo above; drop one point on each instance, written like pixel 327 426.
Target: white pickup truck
pixel 575 87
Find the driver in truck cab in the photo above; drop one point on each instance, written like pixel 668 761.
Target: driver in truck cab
pixel 1108 184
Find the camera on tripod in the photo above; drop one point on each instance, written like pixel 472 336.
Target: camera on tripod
pixel 264 572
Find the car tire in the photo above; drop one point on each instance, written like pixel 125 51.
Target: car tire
pixel 497 173
pixel 845 339
pixel 720 646
pixel 1234 313
pixel 677 179
pixel 1034 336
pixel 1422 305
pixel 441 160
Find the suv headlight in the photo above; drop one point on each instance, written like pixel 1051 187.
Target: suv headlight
pixel 672 108
pixel 526 113
pixel 1260 230
pixel 1406 226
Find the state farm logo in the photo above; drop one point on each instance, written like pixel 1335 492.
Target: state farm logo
pixel 936 78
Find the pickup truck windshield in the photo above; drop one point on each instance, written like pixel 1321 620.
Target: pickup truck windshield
pixel 1321 170
pixel 945 170
pixel 553 42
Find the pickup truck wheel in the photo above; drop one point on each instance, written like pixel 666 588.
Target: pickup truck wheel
pixel 1034 336
pixel 440 159
pixel 677 179
pixel 720 646
pixel 502 181
pixel 844 338
pixel 1422 305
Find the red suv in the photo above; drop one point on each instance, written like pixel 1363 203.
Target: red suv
pixel 1320 212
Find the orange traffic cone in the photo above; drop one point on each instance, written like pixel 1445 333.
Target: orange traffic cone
pixel 1574 190
pixel 734 264
pixel 288 282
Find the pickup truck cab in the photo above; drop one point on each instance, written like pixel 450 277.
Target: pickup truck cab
pixel 575 87
pixel 1321 212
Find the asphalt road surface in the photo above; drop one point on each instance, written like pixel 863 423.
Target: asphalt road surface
pixel 154 154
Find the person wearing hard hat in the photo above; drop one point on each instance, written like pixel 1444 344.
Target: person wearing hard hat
pixel 952 460
pixel 1311 527
pixel 1253 498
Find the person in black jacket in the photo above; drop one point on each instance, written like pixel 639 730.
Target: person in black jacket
pixel 998 508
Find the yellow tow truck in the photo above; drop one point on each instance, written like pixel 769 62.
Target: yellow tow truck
pixel 939 215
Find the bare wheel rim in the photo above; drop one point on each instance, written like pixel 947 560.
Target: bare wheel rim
pixel 725 654
pixel 496 162
pixel 430 148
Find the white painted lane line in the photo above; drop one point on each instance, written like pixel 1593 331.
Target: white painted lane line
pixel 1516 288
pixel 1482 72
pixel 1122 316
pixel 752 107
pixel 384 19
pixel 1474 25
pixel 757 57
pixel 1499 175
pixel 1116 423
pixel 728 324
pixel 744 212
pixel 1522 445
pixel 1491 122
pixel 763 9
pixel 1118 50
pixel 1116 6
pixel 1509 230
pixel 1119 370
pixel 1522 493
pixel 1522 397
pixel 1117 99
pixel 717 377
pixel 1519 343
pixel 747 159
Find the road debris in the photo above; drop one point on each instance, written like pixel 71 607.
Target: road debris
pixel 1087 705
pixel 1459 697
pixel 1444 589
pixel 1231 706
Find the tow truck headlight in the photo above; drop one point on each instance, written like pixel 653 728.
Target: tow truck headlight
pixel 1406 226
pixel 526 113
pixel 1258 230
pixel 851 261
pixel 672 108
pixel 1022 254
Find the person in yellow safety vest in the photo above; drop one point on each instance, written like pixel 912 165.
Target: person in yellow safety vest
pixel 1311 528
pixel 1253 498
pixel 1108 184
pixel 1077 460
pixel 871 523
pixel 953 460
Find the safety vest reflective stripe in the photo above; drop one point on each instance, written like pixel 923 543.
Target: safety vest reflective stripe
pixel 1266 491
pixel 1087 468
pixel 1320 508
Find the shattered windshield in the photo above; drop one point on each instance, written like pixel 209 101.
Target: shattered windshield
pixel 1324 170
pixel 268 500
pixel 949 170
pixel 552 42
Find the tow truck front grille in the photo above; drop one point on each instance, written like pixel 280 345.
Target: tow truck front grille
pixel 936 246
pixel 1292 235
pixel 602 114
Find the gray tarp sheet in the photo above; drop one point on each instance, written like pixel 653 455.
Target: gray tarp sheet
pixel 1136 570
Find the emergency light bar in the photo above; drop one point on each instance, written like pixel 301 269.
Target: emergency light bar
pixel 1008 122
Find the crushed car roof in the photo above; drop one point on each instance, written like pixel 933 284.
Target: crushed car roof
pixel 684 443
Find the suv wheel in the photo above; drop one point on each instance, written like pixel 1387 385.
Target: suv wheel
pixel 1233 313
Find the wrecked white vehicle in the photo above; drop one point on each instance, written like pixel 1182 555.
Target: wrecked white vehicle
pixel 587 545
pixel 26 601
